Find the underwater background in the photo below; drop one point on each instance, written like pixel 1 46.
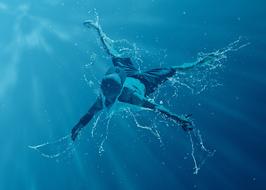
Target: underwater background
pixel 49 67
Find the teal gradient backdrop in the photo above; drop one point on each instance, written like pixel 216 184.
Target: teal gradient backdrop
pixel 43 93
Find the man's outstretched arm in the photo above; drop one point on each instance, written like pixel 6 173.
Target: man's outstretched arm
pixel 139 100
pixel 106 41
pixel 95 108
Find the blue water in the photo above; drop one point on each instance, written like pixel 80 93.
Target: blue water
pixel 45 87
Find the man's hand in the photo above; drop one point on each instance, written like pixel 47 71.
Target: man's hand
pixel 186 123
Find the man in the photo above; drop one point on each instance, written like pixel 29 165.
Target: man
pixel 124 83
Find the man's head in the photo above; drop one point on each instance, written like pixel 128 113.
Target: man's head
pixel 111 86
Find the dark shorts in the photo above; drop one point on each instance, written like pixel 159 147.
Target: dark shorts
pixel 151 78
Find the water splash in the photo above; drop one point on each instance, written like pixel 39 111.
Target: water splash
pixel 196 81
pixel 109 115
pixel 198 142
pixel 89 67
pixel 64 144
pixel 108 118
pixel 95 124
pixel 205 76
pixel 151 129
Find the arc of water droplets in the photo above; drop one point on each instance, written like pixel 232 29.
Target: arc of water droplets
pixel 95 123
pixel 198 164
pixel 153 129
pixel 220 54
pixel 70 147
pixel 109 117
pixel 90 83
pixel 192 82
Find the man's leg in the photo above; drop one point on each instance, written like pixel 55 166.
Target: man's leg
pixel 106 41
pixel 207 59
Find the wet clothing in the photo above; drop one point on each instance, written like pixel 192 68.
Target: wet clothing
pixel 151 78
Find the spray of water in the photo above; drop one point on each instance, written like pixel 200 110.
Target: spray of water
pixel 65 144
pixel 109 117
pixel 197 145
pixel 196 81
pixel 152 129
